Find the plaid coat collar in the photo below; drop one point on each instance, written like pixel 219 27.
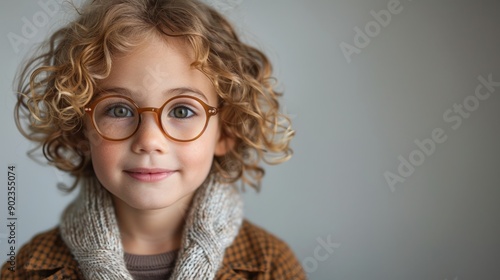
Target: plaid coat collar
pixel 253 252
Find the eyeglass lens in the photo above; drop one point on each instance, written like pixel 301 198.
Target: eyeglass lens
pixel 181 118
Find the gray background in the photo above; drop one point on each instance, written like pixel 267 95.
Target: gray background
pixel 353 120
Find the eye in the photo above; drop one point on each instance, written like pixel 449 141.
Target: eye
pixel 181 112
pixel 119 111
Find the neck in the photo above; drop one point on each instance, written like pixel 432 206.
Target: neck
pixel 150 232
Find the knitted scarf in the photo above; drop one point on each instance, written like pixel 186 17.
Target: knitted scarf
pixel 89 228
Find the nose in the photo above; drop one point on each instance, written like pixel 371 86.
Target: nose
pixel 149 137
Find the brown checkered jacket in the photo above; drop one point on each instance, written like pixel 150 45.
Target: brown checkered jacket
pixel 254 254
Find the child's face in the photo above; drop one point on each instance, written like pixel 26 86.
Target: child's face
pixel 150 75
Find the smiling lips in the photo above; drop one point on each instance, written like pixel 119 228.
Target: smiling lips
pixel 149 175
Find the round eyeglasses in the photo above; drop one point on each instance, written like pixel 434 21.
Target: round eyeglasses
pixel 182 118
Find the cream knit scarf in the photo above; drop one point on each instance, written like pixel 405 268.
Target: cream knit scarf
pixel 89 228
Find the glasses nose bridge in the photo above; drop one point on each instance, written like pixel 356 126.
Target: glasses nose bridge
pixel 154 110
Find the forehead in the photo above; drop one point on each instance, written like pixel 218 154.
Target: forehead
pixel 157 66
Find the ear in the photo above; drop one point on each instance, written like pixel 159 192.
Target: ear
pixel 224 144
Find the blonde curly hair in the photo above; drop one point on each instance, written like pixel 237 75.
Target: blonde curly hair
pixel 55 86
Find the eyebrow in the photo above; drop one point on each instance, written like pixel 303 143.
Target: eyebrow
pixel 171 92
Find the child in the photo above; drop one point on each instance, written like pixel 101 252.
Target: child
pixel 157 109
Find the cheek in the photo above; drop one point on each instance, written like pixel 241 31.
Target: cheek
pixel 195 156
pixel 100 148
pixel 104 158
pixel 198 155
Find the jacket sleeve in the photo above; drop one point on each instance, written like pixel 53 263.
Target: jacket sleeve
pixel 284 264
pixel 259 255
pixel 15 269
pixel 45 256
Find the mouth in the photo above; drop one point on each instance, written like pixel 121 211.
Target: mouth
pixel 149 175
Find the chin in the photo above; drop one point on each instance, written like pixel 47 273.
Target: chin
pixel 156 203
pixel 150 205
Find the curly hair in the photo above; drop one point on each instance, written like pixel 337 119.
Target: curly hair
pixel 55 86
